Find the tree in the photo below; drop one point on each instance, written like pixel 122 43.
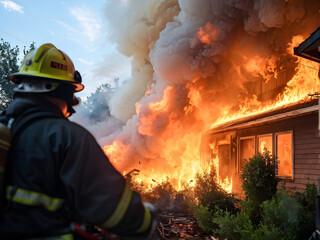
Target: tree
pixel 8 65
pixel 97 103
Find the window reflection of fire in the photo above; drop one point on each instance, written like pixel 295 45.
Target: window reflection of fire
pixel 265 144
pixel 285 154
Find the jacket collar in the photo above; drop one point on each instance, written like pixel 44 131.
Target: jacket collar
pixel 27 105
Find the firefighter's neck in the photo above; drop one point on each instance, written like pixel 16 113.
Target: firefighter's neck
pixel 60 104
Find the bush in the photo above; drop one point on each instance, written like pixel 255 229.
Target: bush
pixel 204 218
pixel 259 177
pixel 259 183
pixel 209 199
pixel 266 213
pixel 307 215
pixel 282 211
pixel 209 193
pixel 231 226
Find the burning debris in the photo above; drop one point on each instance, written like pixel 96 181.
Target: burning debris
pixel 178 226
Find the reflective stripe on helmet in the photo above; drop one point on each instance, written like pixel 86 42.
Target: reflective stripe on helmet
pixel 32 198
pixel 146 221
pixel 120 209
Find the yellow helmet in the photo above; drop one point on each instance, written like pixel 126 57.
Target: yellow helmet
pixel 50 64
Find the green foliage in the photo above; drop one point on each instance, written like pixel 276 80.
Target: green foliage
pixel 261 233
pixel 259 183
pixel 307 214
pixel 253 209
pixel 8 65
pixel 231 226
pixel 282 211
pixel 259 177
pixel 205 218
pixel 209 193
pixel 97 104
pixel 266 213
pixel 210 199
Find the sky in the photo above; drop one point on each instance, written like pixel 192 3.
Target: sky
pixel 77 27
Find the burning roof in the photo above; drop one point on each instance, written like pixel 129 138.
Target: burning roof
pixel 284 112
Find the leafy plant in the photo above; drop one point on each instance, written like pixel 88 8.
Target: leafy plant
pixel 231 226
pixel 210 194
pixel 259 183
pixel 259 177
pixel 282 211
pixel 8 64
pixel 307 214
pixel 210 200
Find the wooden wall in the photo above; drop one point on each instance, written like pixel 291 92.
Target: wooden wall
pixel 306 152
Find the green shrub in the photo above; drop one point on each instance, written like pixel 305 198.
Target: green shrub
pixel 209 193
pixel 282 211
pixel 262 233
pixel 231 226
pixel 252 209
pixel 210 198
pixel 259 177
pixel 259 183
pixel 204 218
pixel 307 215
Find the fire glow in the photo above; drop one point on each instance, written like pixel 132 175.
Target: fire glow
pixel 211 86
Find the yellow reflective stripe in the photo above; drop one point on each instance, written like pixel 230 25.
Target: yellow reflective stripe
pixel 4 144
pixel 120 209
pixel 146 221
pixel 32 198
pixel 68 236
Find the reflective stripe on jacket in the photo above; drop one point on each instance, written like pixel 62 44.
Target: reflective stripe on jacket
pixel 32 198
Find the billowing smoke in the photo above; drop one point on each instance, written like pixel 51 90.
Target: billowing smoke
pixel 192 63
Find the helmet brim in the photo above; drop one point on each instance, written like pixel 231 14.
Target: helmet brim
pixel 15 77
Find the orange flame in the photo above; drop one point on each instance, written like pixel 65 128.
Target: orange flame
pixel 172 138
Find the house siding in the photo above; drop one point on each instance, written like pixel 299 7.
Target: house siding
pixel 306 153
pixel 306 149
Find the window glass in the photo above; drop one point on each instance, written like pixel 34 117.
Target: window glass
pixel 284 153
pixel 265 144
pixel 247 150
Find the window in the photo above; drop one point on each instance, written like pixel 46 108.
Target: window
pixel 247 150
pixel 278 144
pixel 284 153
pixel 265 143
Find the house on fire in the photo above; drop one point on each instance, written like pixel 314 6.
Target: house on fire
pixel 291 133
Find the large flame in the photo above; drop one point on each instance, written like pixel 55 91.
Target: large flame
pixel 206 64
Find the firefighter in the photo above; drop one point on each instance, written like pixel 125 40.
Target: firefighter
pixel 56 173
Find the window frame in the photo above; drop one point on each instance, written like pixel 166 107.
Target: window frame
pixel 292 151
pixel 238 154
pixel 274 136
pixel 265 135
